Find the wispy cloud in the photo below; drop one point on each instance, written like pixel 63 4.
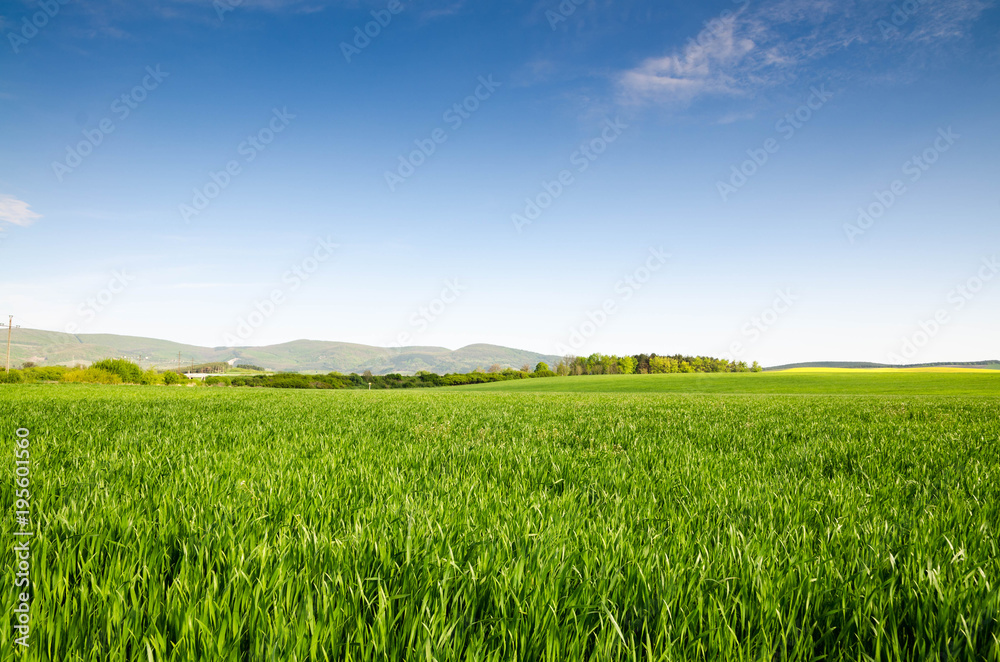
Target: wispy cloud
pixel 307 6
pixel 716 62
pixel 16 212
pixel 438 7
pixel 946 20
pixel 210 286
pixel 742 52
pixel 114 18
pixel 449 9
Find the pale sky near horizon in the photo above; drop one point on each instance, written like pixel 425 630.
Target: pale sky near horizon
pixel 778 181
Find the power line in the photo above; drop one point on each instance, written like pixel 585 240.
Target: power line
pixel 10 327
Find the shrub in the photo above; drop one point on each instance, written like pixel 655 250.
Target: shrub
pixel 151 377
pixel 128 371
pixel 217 381
pixel 52 373
pixel 92 375
pixel 290 380
pixel 12 377
pixel 170 377
pixel 44 374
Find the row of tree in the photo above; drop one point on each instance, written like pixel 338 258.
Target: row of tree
pixel 122 371
pixel 336 380
pixel 648 364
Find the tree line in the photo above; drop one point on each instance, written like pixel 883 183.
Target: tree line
pixel 123 371
pixel 648 364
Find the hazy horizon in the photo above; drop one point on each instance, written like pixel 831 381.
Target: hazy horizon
pixel 461 347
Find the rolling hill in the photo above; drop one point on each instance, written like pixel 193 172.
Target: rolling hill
pixel 54 348
pixel 984 365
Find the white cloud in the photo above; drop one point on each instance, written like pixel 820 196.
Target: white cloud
pixel 728 55
pixel 16 211
pixel 948 20
pixel 761 45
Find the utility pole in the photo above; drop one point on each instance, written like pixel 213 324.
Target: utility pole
pixel 10 327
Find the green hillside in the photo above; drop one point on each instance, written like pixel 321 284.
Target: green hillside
pixel 54 348
pixel 986 382
pixel 986 365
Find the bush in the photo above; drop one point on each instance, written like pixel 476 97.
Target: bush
pixel 128 371
pixel 92 375
pixel 290 380
pixel 35 375
pixel 52 373
pixel 151 377
pixel 12 377
pixel 217 381
pixel 170 377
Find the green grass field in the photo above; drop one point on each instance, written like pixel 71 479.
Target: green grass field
pixel 253 524
pixel 857 382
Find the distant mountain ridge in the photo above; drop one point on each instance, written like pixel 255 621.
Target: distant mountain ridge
pixel 992 364
pixel 55 348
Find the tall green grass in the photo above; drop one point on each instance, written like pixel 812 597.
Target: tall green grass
pixel 216 524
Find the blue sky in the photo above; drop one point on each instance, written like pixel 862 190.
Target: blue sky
pixel 780 181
